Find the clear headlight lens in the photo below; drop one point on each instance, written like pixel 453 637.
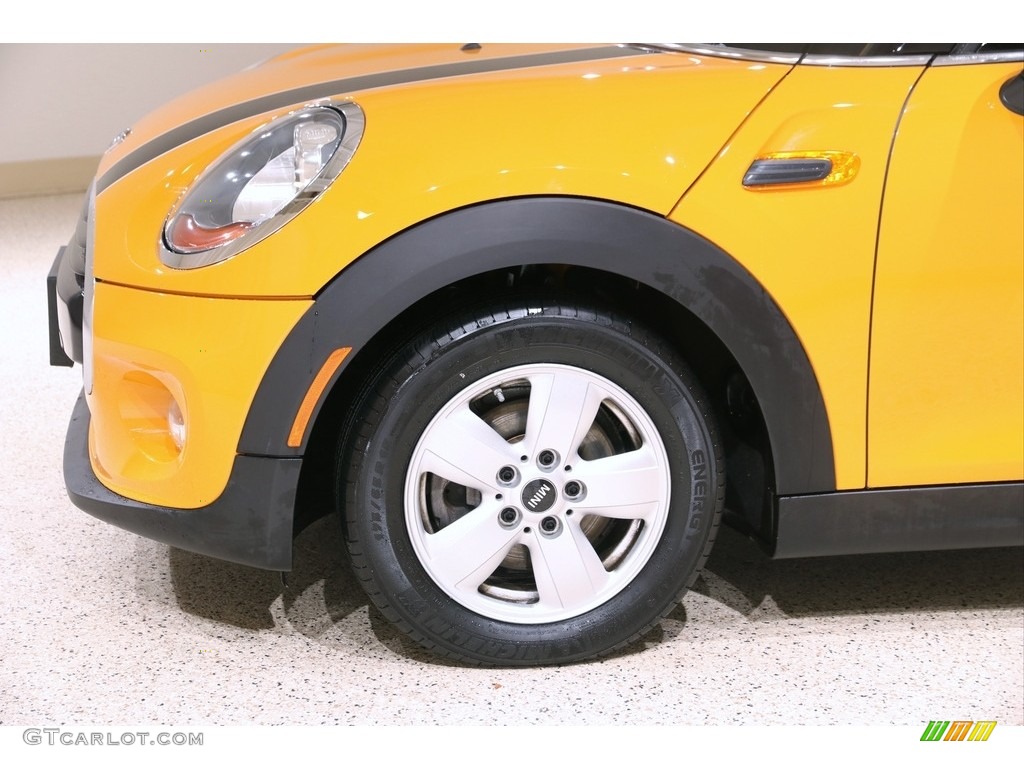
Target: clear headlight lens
pixel 260 183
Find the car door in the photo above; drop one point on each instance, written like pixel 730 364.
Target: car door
pixel 946 380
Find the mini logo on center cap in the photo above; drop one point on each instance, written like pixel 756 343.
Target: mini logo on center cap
pixel 538 496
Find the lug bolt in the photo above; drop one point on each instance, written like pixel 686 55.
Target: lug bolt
pixel 574 490
pixel 508 476
pixel 508 517
pixel 546 459
pixel 550 526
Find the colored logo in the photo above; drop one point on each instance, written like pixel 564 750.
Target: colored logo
pixel 958 730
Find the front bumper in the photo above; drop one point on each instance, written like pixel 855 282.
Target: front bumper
pixel 250 523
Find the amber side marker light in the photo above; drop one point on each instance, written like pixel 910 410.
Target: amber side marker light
pixel 316 389
pixel 809 169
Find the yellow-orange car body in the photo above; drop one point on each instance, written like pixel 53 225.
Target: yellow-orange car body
pixel 863 325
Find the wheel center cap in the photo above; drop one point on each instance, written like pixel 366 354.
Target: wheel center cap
pixel 539 495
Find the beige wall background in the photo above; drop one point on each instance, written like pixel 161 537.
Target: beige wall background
pixel 61 104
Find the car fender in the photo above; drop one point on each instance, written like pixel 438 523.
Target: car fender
pixel 635 244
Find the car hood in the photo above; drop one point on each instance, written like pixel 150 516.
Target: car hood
pixel 311 73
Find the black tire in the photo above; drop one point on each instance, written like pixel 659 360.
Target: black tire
pixel 529 561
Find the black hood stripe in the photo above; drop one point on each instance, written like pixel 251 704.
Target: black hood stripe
pixel 190 130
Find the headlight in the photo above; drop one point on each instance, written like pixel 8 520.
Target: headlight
pixel 255 187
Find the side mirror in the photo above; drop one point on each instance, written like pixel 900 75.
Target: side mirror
pixel 1012 94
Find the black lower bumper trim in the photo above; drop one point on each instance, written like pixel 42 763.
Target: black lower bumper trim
pixel 901 520
pixel 251 522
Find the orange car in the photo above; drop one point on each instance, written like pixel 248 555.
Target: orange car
pixel 528 318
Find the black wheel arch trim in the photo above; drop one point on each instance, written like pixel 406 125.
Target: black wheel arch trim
pixel 632 243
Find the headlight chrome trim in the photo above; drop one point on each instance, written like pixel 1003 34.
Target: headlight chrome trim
pixel 354 122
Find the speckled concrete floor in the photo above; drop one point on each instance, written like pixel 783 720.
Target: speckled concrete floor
pixel 99 626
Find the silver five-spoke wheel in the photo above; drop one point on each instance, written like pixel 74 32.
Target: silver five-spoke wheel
pixel 537 493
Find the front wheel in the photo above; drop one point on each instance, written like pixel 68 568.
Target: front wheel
pixel 530 486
